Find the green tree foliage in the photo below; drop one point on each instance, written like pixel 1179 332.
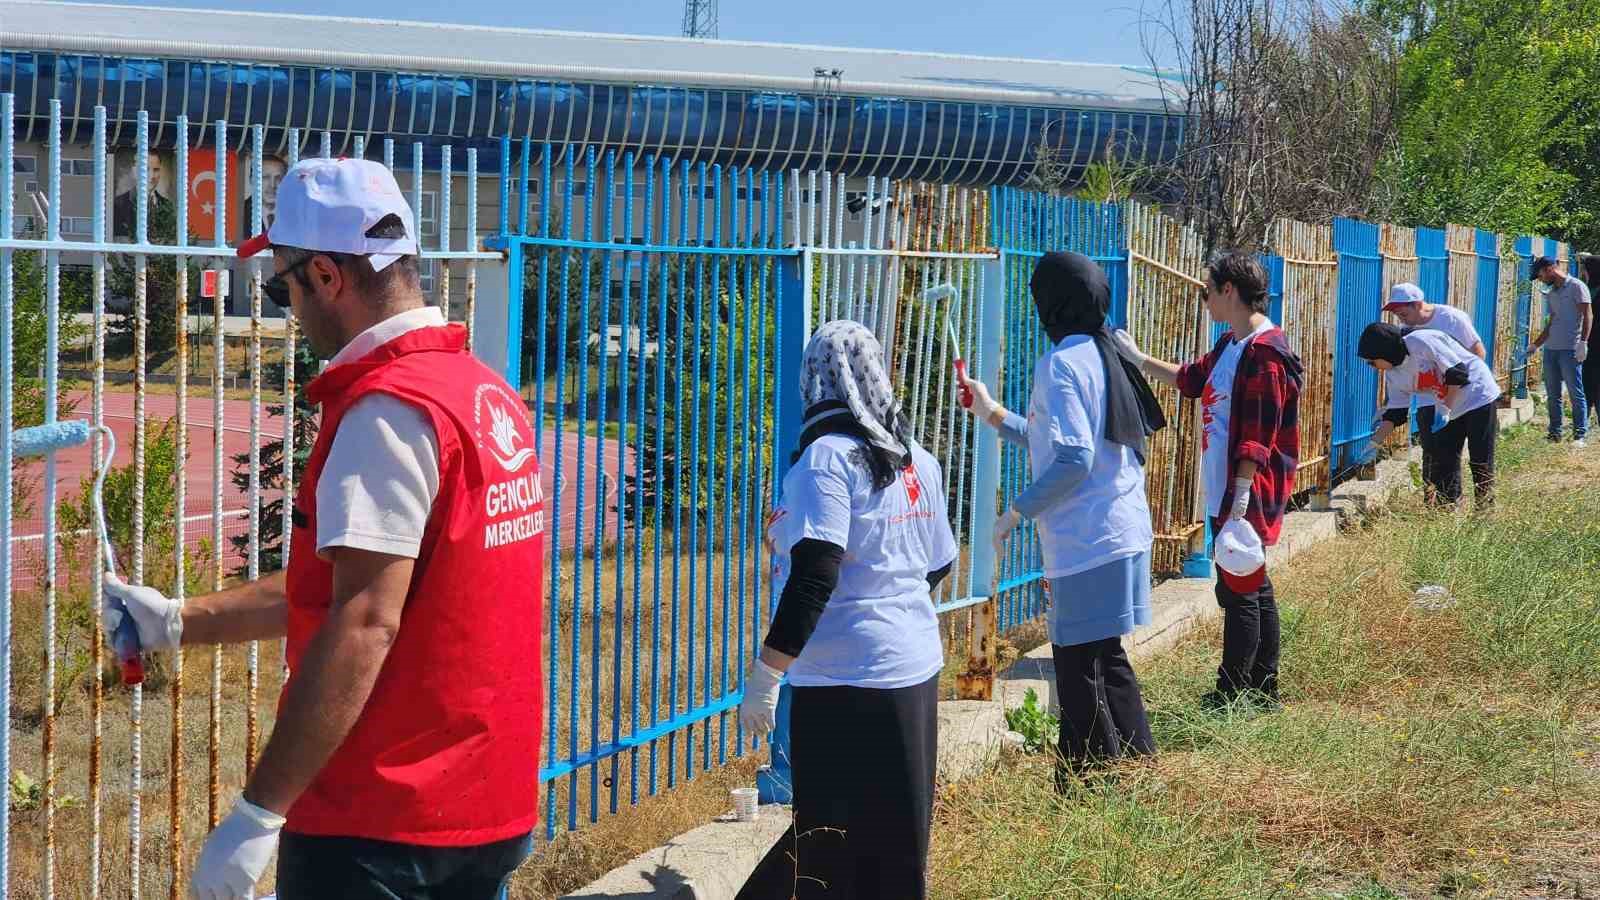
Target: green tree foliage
pixel 306 364
pixel 30 325
pixel 161 289
pixel 1496 128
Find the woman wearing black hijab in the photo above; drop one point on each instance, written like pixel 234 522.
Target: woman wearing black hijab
pixel 1464 390
pixel 1085 431
pixel 1590 266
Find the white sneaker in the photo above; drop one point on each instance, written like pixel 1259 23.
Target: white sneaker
pixel 1580 443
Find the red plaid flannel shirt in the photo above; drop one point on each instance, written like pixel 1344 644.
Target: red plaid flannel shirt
pixel 1263 423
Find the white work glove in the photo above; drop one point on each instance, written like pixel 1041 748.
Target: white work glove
pixel 1127 349
pixel 1003 526
pixel 758 711
pixel 984 406
pixel 1581 353
pixel 1241 498
pixel 159 618
pixel 236 854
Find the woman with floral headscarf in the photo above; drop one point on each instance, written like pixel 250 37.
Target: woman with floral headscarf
pixel 859 540
pixel 1088 417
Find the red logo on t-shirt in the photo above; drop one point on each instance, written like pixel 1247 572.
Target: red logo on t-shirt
pixel 908 477
pixel 1208 402
pixel 1428 380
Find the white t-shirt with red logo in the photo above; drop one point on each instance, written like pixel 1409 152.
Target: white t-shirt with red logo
pixel 1216 413
pixel 1106 517
pixel 878 629
pixel 1428 355
pixel 1458 325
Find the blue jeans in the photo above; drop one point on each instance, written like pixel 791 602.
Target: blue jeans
pixel 1562 367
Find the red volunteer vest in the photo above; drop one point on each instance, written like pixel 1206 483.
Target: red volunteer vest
pixel 446 751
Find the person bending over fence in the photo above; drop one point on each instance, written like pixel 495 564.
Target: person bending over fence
pixel 1463 393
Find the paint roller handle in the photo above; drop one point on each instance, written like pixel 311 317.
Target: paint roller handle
pixel 961 379
pixel 125 644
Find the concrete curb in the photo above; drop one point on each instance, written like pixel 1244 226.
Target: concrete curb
pixel 712 861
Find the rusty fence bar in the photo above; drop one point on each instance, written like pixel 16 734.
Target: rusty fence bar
pixel 1310 297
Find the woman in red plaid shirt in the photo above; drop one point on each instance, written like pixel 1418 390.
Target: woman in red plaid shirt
pixel 1249 389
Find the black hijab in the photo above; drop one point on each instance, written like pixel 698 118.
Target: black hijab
pixel 1073 297
pixel 1385 341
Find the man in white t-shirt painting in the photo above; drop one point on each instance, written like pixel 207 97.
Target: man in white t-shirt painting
pixel 1565 340
pixel 1248 386
pixel 1409 305
pixel 404 761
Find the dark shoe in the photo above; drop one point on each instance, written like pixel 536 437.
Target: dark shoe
pixel 1264 700
pixel 1213 701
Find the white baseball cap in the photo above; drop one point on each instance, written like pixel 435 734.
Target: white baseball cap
pixel 1241 560
pixel 332 205
pixel 1403 293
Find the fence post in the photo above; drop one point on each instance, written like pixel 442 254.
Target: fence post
pixel 774 782
pixel 977 682
pixel 494 341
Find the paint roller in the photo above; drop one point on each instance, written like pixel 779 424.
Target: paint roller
pixel 940 293
pixel 53 437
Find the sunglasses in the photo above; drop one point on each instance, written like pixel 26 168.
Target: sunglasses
pixel 277 287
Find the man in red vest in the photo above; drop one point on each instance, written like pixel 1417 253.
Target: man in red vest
pixel 405 758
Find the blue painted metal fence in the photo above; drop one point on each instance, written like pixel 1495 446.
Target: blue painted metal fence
pixel 1524 316
pixel 1485 309
pixel 1355 395
pixel 645 318
pixel 1433 265
pixel 1027 225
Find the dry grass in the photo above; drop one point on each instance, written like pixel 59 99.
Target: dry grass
pixel 1420 753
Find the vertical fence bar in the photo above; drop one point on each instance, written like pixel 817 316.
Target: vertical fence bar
pixel 218 423
pixel 662 302
pixel 140 288
pixel 175 840
pixel 473 244
pixel 52 351
pixel 253 557
pixel 443 210
pixel 555 517
pixel 7 188
pixel 623 317
pixel 714 328
pixel 694 463
pixel 97 416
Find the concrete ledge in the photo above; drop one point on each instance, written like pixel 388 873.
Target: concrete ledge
pixel 712 862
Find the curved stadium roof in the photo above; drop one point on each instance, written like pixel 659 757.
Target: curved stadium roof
pixel 961 119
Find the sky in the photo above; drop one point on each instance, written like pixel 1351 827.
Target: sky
pixel 1067 30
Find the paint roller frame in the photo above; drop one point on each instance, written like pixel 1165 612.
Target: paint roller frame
pixel 938 295
pixel 53 437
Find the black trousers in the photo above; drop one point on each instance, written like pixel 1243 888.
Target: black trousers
pixel 340 868
pixel 1102 711
pixel 863 765
pixel 1476 431
pixel 1249 640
